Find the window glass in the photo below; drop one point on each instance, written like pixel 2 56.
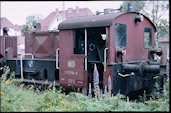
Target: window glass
pixel 120 35
pixel 147 38
pixel 79 43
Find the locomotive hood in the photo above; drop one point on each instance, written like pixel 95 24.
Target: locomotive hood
pixel 93 21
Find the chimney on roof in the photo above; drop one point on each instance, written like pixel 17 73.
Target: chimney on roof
pixel 5 31
pixel 69 10
pixel 57 10
pixel 77 9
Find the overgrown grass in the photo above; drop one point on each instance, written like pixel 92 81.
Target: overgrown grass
pixel 17 98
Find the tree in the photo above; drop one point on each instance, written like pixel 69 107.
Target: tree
pixel 156 12
pixel 138 5
pixel 30 22
pixel 25 29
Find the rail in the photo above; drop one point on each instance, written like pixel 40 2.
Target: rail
pixel 21 62
pixel 105 59
pixel 57 56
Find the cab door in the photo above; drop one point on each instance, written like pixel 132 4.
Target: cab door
pixel 72 71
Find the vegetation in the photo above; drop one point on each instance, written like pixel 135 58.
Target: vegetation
pixel 30 22
pixel 154 10
pixel 15 97
pixel 138 5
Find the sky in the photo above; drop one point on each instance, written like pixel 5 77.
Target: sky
pixel 17 11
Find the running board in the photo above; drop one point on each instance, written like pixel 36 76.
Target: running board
pixel 56 82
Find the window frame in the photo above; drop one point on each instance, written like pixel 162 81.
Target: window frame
pixel 148 29
pixel 115 35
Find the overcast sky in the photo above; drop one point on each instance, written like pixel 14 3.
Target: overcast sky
pixel 17 11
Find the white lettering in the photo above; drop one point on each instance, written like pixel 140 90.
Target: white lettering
pixel 79 82
pixel 70 73
pixel 71 80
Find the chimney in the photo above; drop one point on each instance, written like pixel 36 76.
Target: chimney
pixel 77 10
pixel 56 10
pixel 70 10
pixel 5 31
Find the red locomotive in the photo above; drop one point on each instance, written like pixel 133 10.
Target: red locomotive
pixel 122 45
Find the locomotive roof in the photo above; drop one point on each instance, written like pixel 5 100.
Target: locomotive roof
pixel 92 21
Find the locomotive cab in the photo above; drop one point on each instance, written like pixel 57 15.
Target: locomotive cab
pixel 118 44
pixel 96 43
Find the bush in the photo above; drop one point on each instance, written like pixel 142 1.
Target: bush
pixel 16 97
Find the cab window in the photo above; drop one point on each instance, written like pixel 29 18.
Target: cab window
pixel 147 37
pixel 120 35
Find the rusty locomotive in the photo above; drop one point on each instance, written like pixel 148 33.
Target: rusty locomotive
pixel 122 45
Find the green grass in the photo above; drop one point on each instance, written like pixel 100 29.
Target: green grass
pixel 17 98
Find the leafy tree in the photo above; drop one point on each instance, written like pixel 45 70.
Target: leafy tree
pixel 30 22
pixel 157 13
pixel 138 5
pixel 155 10
pixel 25 29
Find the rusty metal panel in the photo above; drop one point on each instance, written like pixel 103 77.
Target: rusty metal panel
pixel 71 65
pixel 28 43
pixel 106 76
pixel 42 44
pixel 164 56
pixel 10 46
pixel 135 38
pixel 2 45
pixel 55 43
pixel 72 71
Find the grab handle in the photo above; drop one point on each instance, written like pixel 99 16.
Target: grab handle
pixel 21 62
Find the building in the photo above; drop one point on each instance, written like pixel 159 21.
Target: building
pixel 164 42
pixel 52 21
pixel 13 30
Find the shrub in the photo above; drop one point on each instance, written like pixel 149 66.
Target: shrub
pixel 16 97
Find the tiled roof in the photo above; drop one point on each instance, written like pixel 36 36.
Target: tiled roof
pixel 68 14
pixel 6 23
pixel 47 20
pixel 163 39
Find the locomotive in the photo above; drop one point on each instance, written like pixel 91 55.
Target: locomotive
pixel 122 45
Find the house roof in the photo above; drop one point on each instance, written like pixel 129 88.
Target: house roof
pixel 164 39
pixel 70 13
pixel 6 23
pixel 48 19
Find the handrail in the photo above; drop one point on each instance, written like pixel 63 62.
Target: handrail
pixel 21 62
pixel 105 59
pixel 57 56
pixel 85 50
